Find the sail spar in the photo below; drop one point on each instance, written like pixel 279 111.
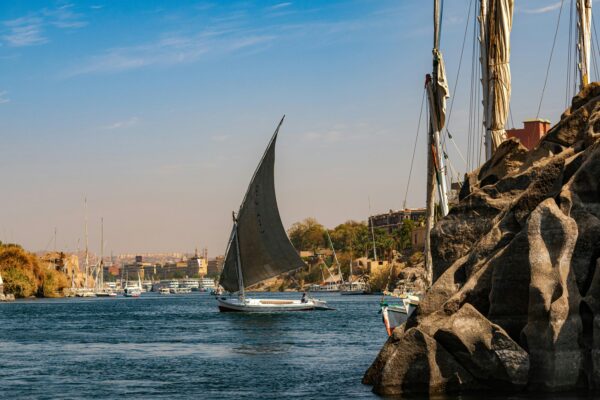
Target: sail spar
pixel 495 19
pixel 258 240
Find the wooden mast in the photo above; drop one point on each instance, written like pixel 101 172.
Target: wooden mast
pixel 495 23
pixel 437 92
pixel 584 43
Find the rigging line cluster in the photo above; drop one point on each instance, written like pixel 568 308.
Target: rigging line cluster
pixel 474 142
pixel 550 60
pixel 412 161
pixel 595 50
pixel 462 50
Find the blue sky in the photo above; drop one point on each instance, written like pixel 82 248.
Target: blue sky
pixel 158 111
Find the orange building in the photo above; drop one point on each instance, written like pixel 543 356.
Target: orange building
pixel 532 132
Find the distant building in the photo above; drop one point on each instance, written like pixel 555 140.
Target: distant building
pixel 215 266
pixel 197 266
pixel 393 220
pixel 417 237
pixel 376 267
pixel 531 133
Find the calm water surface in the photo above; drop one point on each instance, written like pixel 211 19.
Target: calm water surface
pixel 180 346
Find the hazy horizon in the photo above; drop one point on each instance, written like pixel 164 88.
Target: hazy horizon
pixel 159 111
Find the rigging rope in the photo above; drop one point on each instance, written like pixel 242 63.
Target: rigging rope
pixel 462 50
pixel 569 44
pixel 412 161
pixel 597 47
pixel 550 60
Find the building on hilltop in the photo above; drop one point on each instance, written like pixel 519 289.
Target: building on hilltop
pixel 393 220
pixel 531 133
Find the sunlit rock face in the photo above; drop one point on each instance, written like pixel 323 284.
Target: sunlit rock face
pixel 515 303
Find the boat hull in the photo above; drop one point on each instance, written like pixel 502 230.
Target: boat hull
pixel 396 315
pixel 266 305
pixel 353 292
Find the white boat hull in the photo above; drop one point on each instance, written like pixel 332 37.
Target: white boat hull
pixel 267 305
pixel 396 315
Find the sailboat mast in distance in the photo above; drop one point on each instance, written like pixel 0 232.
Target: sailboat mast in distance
pixel 334 255
pixel 584 44
pixel 101 264
pixel 87 260
pixel 372 231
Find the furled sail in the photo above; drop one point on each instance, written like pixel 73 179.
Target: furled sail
pixel 584 23
pixel 264 249
pixel 496 23
pixel 437 94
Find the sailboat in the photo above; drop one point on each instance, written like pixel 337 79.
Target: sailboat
pixel 100 289
pixel 352 287
pixel 133 290
pixel 86 291
pixel 258 247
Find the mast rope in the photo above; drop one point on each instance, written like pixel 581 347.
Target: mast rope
pixel 550 60
pixel 462 50
pixel 597 47
pixel 412 161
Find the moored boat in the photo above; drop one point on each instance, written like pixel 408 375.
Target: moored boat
pixel 395 315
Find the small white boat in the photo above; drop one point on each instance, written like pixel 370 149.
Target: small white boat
pixel 133 290
pixel 354 288
pixel 395 315
pixel 164 290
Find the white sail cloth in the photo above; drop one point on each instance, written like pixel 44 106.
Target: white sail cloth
pixel 438 93
pixel 584 23
pixel 496 24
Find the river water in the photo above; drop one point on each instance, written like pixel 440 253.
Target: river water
pixel 180 346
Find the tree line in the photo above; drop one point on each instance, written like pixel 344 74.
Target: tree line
pixel 352 237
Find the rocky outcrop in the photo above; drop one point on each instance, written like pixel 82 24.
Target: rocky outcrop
pixel 515 303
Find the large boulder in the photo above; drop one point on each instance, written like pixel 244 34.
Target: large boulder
pixel 462 351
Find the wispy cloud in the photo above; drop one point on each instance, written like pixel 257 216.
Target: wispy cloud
pixel 543 10
pixel 4 97
pixel 30 30
pixel 64 17
pixel 24 31
pixel 122 124
pixel 279 6
pixel 170 50
pixel 331 136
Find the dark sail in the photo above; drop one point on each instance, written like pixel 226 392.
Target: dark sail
pixel 265 250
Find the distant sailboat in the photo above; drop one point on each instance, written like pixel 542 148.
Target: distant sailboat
pixel 259 248
pixel 133 290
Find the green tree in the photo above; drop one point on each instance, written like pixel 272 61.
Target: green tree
pixel 307 235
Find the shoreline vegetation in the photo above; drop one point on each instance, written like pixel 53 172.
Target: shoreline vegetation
pixel 27 275
pixel 352 241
